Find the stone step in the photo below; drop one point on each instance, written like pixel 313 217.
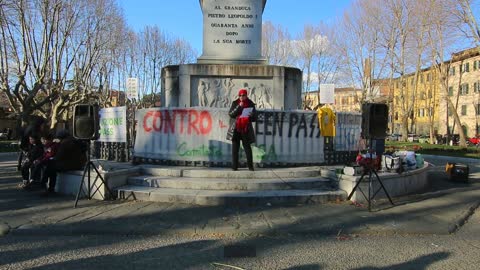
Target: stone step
pixel 231 183
pixel 228 197
pixel 243 173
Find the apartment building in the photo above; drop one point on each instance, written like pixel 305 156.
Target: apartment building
pixel 422 96
pixel 415 96
pixel 464 92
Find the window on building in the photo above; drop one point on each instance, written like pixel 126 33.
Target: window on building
pixel 429 77
pixel 464 89
pixel 464 68
pixel 478 109
pixel 476 86
pixel 476 64
pixel 464 109
pixel 421 112
pixel 421 78
pixel 452 71
pixel 450 91
pixel 430 111
pixel 450 113
pixel 430 94
pixel 396 115
pixel 422 95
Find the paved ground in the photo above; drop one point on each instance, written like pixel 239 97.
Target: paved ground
pixel 440 211
pixel 47 233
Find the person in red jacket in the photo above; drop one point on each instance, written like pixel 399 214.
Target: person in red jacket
pixel 46 162
pixel 241 128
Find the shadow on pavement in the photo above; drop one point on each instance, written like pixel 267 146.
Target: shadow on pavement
pixel 56 217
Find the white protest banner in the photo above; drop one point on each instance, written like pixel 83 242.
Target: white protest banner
pixel 327 93
pixel 113 124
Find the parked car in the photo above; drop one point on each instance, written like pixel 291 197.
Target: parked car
pixel 394 137
pixel 452 139
pixel 424 139
pixel 474 140
pixel 412 137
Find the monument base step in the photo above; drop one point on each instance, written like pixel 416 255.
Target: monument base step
pixel 242 173
pixel 229 197
pixel 306 183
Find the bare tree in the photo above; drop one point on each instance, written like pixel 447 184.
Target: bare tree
pixel 467 22
pixel 146 53
pixel 51 53
pixel 276 44
pixel 442 34
pixel 360 40
pixel 305 49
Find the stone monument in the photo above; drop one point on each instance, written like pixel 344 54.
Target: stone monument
pixel 191 129
pixel 232 32
pixel 231 60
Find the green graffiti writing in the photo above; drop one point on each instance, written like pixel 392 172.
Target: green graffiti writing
pixel 261 153
pixel 111 121
pixel 202 150
pixel 106 131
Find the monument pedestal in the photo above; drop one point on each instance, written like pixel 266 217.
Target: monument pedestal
pixel 221 61
pixel 217 85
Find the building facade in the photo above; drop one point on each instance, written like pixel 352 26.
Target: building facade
pixel 346 100
pixel 422 96
pixel 419 99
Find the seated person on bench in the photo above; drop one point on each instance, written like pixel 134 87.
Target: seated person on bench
pixel 34 152
pixel 47 162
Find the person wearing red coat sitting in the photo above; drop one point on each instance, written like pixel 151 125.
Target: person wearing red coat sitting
pixel 46 161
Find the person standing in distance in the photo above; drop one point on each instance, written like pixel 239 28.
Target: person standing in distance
pixel 241 128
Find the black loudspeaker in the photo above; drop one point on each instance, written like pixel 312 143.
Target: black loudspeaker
pixel 86 122
pixel 374 120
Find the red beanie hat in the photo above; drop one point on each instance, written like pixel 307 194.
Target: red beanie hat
pixel 242 92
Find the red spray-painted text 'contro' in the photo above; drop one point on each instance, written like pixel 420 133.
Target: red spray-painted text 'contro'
pixel 190 122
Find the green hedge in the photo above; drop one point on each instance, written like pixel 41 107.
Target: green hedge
pixel 435 149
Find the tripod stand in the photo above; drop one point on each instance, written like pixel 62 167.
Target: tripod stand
pixel 86 172
pixel 369 169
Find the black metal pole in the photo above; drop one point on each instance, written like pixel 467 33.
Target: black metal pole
pixel 88 166
pixel 81 185
pixel 370 190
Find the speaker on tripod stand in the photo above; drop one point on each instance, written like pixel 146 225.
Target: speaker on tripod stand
pixel 86 128
pixel 374 130
pixel 86 122
pixel 374 125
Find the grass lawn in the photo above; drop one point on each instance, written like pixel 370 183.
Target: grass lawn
pixel 435 149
